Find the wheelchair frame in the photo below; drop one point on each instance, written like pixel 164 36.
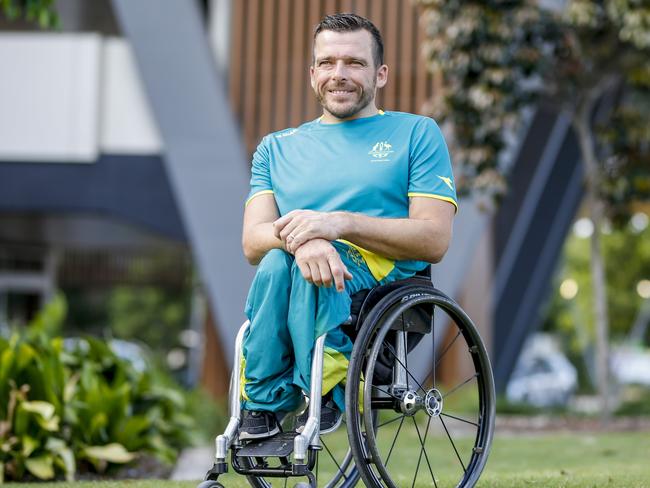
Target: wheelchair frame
pixel 380 302
pixel 309 437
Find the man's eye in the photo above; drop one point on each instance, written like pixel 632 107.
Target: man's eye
pixel 324 63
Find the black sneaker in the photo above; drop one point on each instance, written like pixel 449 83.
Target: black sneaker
pixel 330 418
pixel 257 425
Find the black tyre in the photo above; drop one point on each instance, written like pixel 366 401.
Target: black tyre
pixel 209 484
pixel 429 427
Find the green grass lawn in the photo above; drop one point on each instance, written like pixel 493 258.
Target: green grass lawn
pixel 557 460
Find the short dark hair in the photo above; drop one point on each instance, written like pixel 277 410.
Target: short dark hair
pixel 351 23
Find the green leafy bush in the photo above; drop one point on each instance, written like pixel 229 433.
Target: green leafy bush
pixel 74 404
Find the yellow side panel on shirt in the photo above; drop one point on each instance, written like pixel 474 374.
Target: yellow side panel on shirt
pixel 379 266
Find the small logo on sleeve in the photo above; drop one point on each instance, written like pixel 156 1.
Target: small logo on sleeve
pixel 286 133
pixel 447 181
pixel 380 151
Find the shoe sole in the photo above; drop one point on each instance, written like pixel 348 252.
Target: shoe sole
pixel 336 425
pixel 246 436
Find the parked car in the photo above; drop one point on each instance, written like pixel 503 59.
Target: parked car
pixel 630 365
pixel 543 376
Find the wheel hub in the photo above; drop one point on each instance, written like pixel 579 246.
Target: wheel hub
pixel 410 403
pixel 433 402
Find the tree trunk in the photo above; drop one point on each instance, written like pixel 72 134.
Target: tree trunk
pixel 582 124
pixel 598 284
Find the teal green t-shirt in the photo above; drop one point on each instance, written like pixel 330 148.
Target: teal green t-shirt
pixel 369 165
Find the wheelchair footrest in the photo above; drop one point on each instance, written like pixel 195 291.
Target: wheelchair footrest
pixel 280 445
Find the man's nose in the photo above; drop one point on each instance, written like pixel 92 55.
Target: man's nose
pixel 340 70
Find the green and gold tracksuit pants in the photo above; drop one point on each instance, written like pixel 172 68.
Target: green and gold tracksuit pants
pixel 287 314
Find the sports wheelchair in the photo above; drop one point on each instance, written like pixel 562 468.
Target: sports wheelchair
pixel 404 402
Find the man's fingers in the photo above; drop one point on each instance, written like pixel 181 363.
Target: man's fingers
pixel 339 272
pixel 347 274
pixel 300 235
pixel 315 274
pixel 278 225
pixel 305 271
pixel 325 273
pixel 281 223
pixel 339 281
pixel 290 234
pixel 288 230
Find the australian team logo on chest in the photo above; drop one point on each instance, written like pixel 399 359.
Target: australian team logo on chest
pixel 381 152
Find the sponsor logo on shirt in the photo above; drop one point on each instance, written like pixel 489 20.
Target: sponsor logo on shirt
pixel 447 181
pixel 286 133
pixel 380 151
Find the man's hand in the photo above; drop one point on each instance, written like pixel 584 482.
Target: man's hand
pixel 320 264
pixel 300 226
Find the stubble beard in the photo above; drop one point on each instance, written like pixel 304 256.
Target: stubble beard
pixel 343 112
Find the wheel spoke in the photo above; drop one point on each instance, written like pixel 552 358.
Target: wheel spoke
pixel 394 440
pixel 383 391
pixel 453 445
pixel 432 374
pixel 462 420
pixel 447 349
pixel 417 469
pixel 390 349
pixel 423 450
pixel 391 421
pixel 475 375
pixel 426 432
pixel 333 459
pixel 406 354
pixel 433 349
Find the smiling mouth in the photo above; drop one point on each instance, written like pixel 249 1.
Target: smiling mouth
pixel 340 92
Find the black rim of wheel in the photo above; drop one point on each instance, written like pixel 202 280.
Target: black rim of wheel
pixel 371 344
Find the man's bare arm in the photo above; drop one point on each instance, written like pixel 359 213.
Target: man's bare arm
pixel 425 235
pixel 318 261
pixel 258 236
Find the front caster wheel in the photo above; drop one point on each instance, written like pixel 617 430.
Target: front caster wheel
pixel 209 484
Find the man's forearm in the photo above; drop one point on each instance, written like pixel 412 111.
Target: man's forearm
pixel 406 238
pixel 258 240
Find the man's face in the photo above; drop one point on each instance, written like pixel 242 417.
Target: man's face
pixel 344 76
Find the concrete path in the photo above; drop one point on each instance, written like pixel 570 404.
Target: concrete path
pixel 193 463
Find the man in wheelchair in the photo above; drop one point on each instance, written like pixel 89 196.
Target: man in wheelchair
pixel 354 199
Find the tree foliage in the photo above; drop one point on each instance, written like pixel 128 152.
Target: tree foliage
pixel 499 56
pixel 591 59
pixel 623 275
pixel 42 12
pixel 489 54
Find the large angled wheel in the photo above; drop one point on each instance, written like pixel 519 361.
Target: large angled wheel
pixel 432 414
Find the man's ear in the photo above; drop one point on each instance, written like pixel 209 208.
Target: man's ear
pixel 382 76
